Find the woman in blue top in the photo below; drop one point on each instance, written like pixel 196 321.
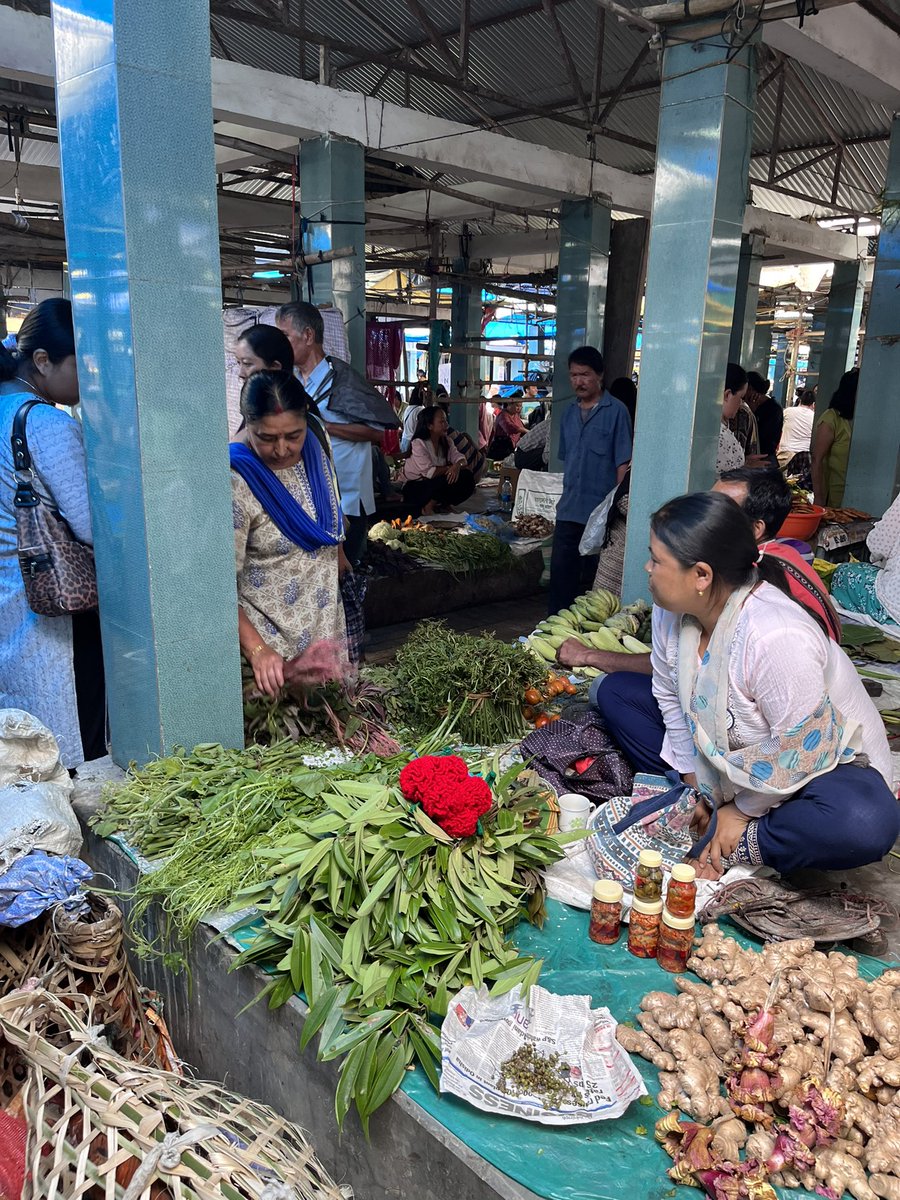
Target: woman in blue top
pixel 52 667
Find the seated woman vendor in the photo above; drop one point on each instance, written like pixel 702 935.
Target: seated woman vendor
pixel 435 475
pixel 873 588
pixel 755 706
pixel 287 533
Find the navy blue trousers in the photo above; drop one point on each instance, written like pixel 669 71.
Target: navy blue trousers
pixel 844 819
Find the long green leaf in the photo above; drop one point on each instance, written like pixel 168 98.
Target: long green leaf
pixel 357 1033
pixel 315 1018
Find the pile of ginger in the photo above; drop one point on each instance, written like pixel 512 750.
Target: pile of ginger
pixel 830 1026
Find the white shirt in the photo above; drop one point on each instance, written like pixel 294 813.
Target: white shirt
pixel 730 454
pixel 410 421
pixel 352 460
pixel 776 673
pixel 884 550
pixel 796 433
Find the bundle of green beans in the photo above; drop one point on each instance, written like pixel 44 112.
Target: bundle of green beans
pixel 208 811
pixel 378 916
pixel 479 679
pixel 456 552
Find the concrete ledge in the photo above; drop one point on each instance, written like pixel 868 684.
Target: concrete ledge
pixel 410 1156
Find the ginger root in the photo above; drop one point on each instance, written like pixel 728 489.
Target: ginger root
pixel 842 1172
pixel 636 1041
pixel 885 1186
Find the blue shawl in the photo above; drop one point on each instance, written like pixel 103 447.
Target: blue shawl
pixel 285 512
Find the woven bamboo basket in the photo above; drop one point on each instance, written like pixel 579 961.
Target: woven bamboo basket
pixel 23 952
pixel 100 1128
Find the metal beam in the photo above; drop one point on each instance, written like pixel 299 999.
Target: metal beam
pixel 566 56
pixel 623 83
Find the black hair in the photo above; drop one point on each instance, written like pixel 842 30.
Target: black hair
pixel 768 495
pixel 268 393
pixel 302 316
pixel 758 382
pixel 735 377
pixel 807 397
pixel 587 356
pixel 269 344
pixel 709 527
pixel 440 390
pixel 844 399
pixel 518 394
pixel 47 327
pixel 423 427
pixel 625 389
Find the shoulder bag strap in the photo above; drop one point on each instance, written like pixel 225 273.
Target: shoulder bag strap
pixel 26 496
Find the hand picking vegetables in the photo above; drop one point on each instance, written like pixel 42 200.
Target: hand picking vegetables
pixel 384 906
pixel 809 1053
pixel 596 621
pixel 478 682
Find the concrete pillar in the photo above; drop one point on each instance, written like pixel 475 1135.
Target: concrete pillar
pixel 438 340
pixel 143 255
pixel 746 300
pixel 872 471
pixel 584 233
pixel 625 290
pixel 761 348
pixel 842 319
pixel 780 383
pixel 466 311
pixel 702 166
pixel 333 207
pixel 815 348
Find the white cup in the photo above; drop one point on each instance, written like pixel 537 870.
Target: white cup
pixel 574 812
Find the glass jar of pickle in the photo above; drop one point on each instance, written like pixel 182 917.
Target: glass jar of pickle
pixel 681 893
pixel 643 928
pixel 676 940
pixel 648 876
pixel 606 912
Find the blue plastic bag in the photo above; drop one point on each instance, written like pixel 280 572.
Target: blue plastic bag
pixel 38 882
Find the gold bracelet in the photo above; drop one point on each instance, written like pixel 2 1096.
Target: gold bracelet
pixel 256 650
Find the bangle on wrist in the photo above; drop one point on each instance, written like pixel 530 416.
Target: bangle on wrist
pixel 256 650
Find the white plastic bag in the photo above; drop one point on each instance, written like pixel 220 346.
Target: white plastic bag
pixel 481 1032
pixel 35 791
pixel 537 494
pixel 595 531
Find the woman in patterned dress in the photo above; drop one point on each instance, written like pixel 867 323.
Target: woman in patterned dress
pixel 287 531
pixel 52 667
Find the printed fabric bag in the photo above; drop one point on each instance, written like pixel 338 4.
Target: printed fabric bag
pixel 57 570
pixel 656 816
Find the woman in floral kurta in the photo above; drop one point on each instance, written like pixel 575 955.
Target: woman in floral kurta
pixel 289 596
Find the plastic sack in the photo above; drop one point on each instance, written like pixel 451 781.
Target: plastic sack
pixel 595 531
pixel 13 1136
pixel 35 791
pixel 38 882
pixel 481 1032
pixel 537 494
pixel 492 524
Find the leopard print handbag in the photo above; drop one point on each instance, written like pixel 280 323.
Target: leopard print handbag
pixel 57 570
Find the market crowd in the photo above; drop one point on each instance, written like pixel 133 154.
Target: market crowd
pixel 747 693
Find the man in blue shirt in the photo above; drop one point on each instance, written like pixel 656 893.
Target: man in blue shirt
pixel 595 446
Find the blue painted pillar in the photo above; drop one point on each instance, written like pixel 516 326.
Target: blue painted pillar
pixel 702 165
pixel 584 232
pixel 333 208
pixel 845 301
pixel 780 383
pixel 816 343
pixel 761 348
pixel 465 318
pixel 746 300
pixel 139 198
pixel 872 471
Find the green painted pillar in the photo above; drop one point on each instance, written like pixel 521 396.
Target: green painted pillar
pixel 438 341
pixel 780 383
pixel 761 349
pixel 333 208
pixel 872 472
pixel 845 301
pixel 702 167
pixel 465 318
pixel 816 344
pixel 746 300
pixel 138 173
pixel 584 233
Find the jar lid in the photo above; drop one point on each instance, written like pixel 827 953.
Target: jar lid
pixel 677 922
pixel 684 873
pixel 650 908
pixel 608 891
pixel 650 858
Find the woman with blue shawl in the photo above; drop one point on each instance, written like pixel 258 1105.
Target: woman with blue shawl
pixel 287 531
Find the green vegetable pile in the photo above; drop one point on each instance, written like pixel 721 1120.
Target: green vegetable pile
pixel 451 551
pixel 206 813
pixel 478 681
pixel 379 917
